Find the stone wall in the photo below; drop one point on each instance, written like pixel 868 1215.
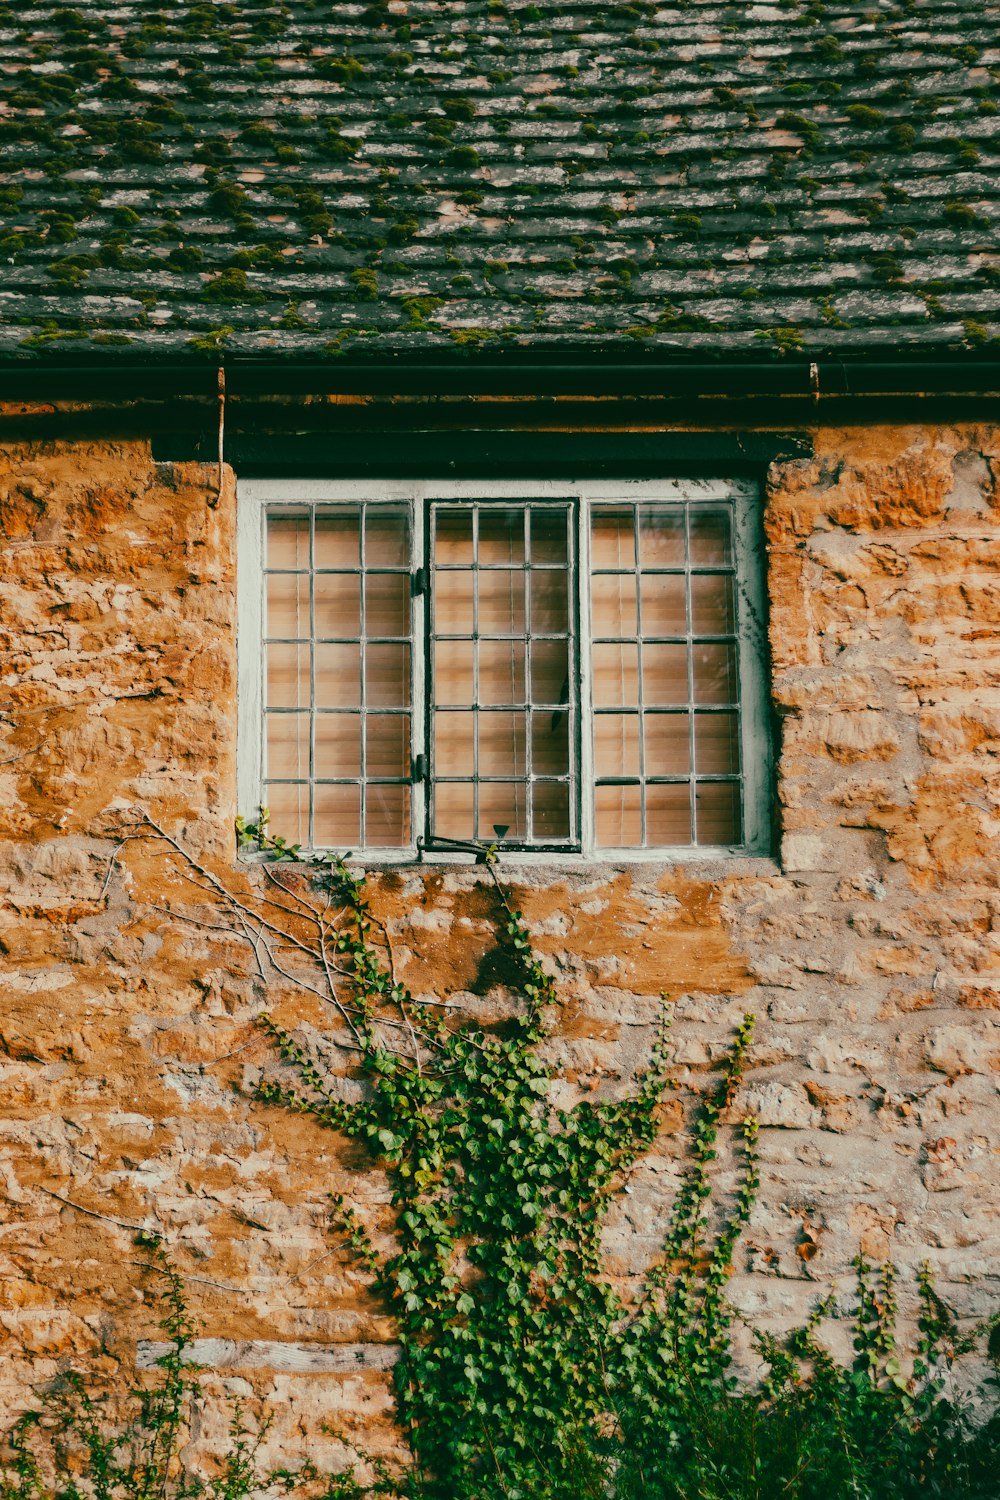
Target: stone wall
pixel 127 1049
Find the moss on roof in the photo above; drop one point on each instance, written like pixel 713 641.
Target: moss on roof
pixel 695 175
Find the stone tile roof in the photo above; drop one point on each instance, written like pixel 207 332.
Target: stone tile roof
pixel 302 178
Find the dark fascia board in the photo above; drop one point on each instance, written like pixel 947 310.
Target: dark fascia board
pixel 597 373
pixel 479 454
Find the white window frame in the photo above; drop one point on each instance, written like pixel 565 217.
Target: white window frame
pixel 256 496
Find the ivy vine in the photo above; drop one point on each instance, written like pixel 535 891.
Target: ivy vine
pixel 514 1343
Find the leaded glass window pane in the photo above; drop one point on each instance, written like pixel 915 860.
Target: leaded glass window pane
pixel 503 686
pixel 338 674
pixel 665 672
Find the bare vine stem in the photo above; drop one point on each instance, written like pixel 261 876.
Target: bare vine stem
pixel 257 929
pixel 92 1212
pixel 277 948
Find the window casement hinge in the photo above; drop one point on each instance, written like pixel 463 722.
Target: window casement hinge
pixel 418 771
pixel 419 583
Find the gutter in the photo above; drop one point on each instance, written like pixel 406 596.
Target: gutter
pixel 529 376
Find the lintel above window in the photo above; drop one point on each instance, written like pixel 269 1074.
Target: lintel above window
pixel 571 669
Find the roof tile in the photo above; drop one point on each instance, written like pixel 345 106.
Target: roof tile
pixel 287 176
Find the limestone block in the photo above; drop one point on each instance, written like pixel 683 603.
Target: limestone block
pixel 785 1106
pixel 864 734
pixel 963 1049
pixel 806 852
pixel 234 1354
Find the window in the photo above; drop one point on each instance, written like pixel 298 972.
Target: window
pixel 574 669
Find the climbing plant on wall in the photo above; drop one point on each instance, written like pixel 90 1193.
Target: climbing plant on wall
pixel 514 1342
pixel 523 1373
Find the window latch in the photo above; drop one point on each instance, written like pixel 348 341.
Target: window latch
pixel 419 584
pixel 419 769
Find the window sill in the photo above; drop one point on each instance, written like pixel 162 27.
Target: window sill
pixel 697 864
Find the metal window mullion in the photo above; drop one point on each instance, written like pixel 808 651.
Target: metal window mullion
pixel 425 513
pixel 419 638
pixel 738 655
pixel 529 821
pixel 587 794
pixel 251 640
pixel 572 524
pixel 736 696
pixel 689 628
pixel 363 657
pixel 311 785
pixel 475 671
pixel 640 671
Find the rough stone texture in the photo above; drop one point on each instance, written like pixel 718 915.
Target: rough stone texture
pixel 126 1041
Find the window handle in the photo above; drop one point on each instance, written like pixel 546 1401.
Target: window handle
pixel 419 582
pixel 419 769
